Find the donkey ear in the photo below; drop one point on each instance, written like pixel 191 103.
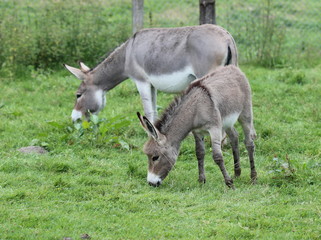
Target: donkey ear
pixel 83 67
pixel 75 71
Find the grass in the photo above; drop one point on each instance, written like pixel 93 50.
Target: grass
pixel 90 185
pixel 93 180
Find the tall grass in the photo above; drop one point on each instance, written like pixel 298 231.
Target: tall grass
pixel 47 33
pixel 273 33
pixel 44 34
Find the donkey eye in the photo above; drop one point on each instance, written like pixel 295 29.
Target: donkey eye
pixel 155 158
pixel 78 95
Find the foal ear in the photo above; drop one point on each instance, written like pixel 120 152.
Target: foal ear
pixel 83 67
pixel 76 72
pixel 140 117
pixel 149 127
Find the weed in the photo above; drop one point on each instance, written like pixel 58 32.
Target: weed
pixel 282 167
pixel 96 132
pixel 60 167
pixel 292 76
pixel 61 184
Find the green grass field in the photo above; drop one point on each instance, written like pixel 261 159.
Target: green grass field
pixel 93 180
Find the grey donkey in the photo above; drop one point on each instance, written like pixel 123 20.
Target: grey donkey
pixel 210 105
pixel 164 59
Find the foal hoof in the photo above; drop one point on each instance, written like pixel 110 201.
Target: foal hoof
pixel 237 172
pixel 253 177
pixel 230 184
pixel 202 180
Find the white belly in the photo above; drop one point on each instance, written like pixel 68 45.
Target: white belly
pixel 173 82
pixel 230 120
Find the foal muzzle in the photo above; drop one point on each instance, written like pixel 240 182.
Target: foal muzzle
pixel 153 179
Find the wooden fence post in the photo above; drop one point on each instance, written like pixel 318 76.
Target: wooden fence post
pixel 137 14
pixel 207 12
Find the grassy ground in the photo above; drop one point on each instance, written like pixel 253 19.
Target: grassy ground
pixel 93 180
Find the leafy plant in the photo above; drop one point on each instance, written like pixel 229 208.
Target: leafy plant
pixel 96 131
pixel 281 167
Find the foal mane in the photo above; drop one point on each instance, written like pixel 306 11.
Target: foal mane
pixel 163 122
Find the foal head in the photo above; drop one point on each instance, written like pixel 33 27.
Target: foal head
pixel 161 155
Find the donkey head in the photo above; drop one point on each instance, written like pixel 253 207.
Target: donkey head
pixel 161 155
pixel 90 98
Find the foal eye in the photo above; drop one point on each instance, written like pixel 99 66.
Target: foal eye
pixel 155 158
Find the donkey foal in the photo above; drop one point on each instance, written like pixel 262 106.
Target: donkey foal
pixel 211 104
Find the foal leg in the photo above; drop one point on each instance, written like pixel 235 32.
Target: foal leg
pixel 200 154
pixel 216 139
pixel 250 135
pixel 234 138
pixel 224 138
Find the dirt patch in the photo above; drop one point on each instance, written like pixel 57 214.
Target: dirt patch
pixel 33 149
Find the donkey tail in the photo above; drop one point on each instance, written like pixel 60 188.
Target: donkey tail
pixel 232 55
pixel 229 56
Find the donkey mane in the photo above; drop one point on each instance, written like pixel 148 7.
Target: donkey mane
pixel 165 120
pixel 108 57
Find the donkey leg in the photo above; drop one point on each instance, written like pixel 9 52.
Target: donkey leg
pixel 250 135
pixel 154 101
pixel 200 153
pixel 145 91
pixel 234 139
pixel 216 138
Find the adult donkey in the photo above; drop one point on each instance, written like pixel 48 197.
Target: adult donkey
pixel 165 59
